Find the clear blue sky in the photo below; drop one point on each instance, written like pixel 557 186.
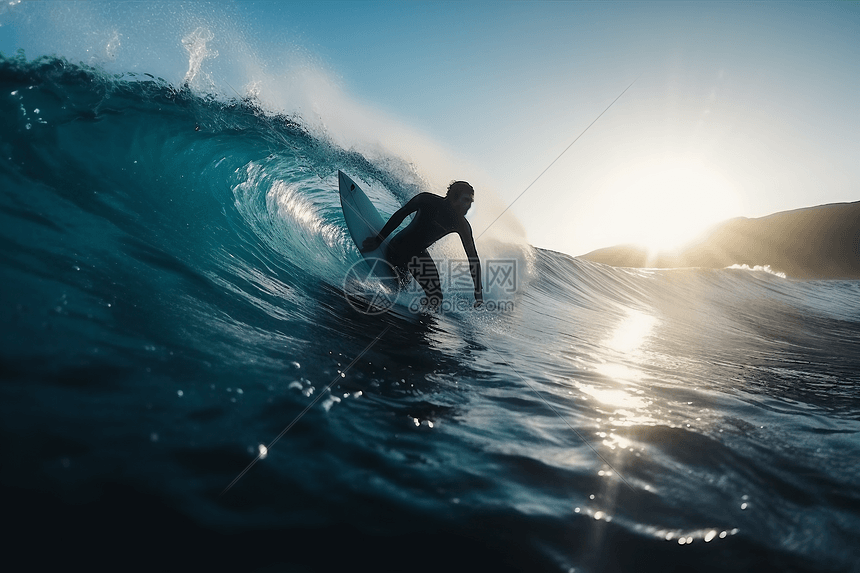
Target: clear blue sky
pixel 740 109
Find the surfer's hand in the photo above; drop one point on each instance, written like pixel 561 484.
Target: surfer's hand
pixel 370 244
pixel 479 299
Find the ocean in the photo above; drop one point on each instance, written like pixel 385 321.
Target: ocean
pixel 190 382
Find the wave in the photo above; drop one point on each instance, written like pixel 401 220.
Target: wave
pixel 173 267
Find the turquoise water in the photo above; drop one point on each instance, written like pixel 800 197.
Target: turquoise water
pixel 173 270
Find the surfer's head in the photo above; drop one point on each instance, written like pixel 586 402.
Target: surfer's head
pixel 461 195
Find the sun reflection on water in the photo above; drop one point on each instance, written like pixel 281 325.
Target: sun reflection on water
pixel 615 398
pixel 628 337
pixel 619 372
pixel 632 332
pixel 630 391
pixel 616 393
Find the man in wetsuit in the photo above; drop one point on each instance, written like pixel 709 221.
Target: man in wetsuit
pixel 435 217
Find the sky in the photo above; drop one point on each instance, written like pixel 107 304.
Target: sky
pixel 735 108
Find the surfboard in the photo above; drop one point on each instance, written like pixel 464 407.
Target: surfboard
pixel 363 221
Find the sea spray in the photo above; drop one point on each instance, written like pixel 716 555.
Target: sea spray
pixel 172 279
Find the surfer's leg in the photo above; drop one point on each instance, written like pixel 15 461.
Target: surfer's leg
pixel 425 272
pixel 399 263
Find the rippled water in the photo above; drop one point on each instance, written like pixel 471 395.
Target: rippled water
pixel 173 300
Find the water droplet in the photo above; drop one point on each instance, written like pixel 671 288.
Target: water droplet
pixel 329 402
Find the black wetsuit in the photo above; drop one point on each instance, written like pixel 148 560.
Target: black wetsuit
pixel 407 251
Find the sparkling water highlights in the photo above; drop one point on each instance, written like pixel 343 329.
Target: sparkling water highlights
pixel 180 362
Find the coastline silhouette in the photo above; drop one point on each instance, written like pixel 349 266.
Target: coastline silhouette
pixel 821 242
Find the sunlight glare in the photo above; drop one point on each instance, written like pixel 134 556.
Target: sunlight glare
pixel 631 332
pixel 619 372
pixel 615 398
pixel 662 205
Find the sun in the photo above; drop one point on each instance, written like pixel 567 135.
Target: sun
pixel 663 205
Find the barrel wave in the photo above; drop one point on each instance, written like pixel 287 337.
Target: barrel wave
pixel 184 372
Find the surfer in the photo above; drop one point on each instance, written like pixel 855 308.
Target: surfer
pixel 435 217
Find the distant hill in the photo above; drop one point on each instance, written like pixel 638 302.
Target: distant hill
pixel 817 242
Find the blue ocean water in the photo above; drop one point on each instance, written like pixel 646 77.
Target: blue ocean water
pixel 186 378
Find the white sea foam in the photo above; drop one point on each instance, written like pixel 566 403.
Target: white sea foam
pixel 758 269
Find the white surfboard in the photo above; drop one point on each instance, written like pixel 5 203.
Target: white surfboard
pixel 363 221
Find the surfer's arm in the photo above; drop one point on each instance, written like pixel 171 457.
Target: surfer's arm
pixel 474 262
pixel 411 206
